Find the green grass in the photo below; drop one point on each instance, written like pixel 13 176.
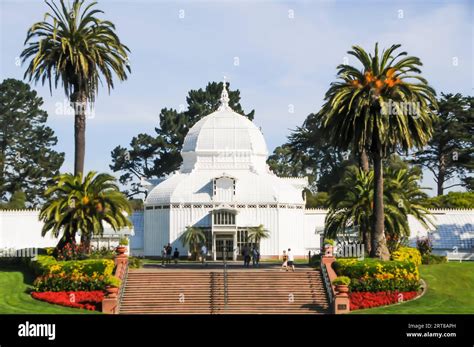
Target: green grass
pixel 450 290
pixel 15 283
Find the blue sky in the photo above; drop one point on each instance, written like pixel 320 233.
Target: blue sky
pixel 287 53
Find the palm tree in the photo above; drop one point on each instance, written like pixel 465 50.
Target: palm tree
pixel 83 204
pixel 255 234
pixel 404 197
pixel 380 109
pixel 192 238
pixel 79 50
pixel 351 203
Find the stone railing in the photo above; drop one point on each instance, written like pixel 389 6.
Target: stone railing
pixel 339 302
pixel 111 302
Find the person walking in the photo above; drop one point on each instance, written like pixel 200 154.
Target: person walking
pixel 291 260
pixel 176 255
pixel 255 257
pixel 203 255
pixel 284 265
pixel 163 256
pixel 246 255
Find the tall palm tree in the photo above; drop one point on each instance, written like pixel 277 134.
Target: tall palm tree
pixel 256 234
pixel 351 201
pixel 72 46
pixel 192 238
pixel 383 107
pixel 77 203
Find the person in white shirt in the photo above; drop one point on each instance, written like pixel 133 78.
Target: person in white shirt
pixel 291 260
pixel 203 254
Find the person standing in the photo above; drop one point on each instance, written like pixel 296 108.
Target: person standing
pixel 291 260
pixel 246 255
pixel 169 250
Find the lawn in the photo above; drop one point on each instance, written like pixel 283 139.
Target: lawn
pixel 15 299
pixel 450 290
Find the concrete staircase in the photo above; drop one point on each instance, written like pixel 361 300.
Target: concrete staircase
pixel 202 292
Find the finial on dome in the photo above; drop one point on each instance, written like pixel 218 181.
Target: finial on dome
pixel 224 96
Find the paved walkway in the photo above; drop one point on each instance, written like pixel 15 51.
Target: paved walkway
pixel 218 265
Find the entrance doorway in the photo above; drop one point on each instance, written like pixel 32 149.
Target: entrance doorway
pixel 224 247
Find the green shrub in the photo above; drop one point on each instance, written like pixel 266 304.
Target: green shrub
pixel 61 282
pixel 329 242
pixel 103 253
pixel 373 275
pixel 430 259
pixel 315 260
pixel 123 241
pixel 113 281
pixel 134 262
pixel 41 264
pixel 407 254
pixel 424 245
pixel 341 280
pixel 45 264
pixel 11 261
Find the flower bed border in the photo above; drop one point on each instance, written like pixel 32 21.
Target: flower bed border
pixel 424 288
pixel 81 299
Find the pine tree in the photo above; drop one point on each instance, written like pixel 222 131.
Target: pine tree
pixel 27 159
pixel 450 152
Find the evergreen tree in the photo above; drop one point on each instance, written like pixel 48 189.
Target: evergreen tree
pixel 450 152
pixel 307 153
pixel 17 201
pixel 27 160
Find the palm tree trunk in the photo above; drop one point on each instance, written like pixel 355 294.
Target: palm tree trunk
pixel 379 243
pixel 79 102
pixel 366 239
pixel 364 160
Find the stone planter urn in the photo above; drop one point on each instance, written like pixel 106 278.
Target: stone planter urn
pixel 121 250
pixel 342 289
pixel 328 250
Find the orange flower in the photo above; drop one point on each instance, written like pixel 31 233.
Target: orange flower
pixel 390 72
pixel 85 200
pixel 355 83
pixel 390 82
pixel 369 77
pixel 379 84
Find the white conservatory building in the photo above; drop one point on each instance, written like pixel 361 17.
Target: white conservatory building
pixel 224 186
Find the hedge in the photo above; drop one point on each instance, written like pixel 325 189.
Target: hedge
pixel 429 259
pixel 373 275
pixel 45 264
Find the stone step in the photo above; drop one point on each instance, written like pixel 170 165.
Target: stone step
pixel 249 292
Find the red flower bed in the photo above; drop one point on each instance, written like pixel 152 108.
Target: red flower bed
pixel 360 300
pixel 85 300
